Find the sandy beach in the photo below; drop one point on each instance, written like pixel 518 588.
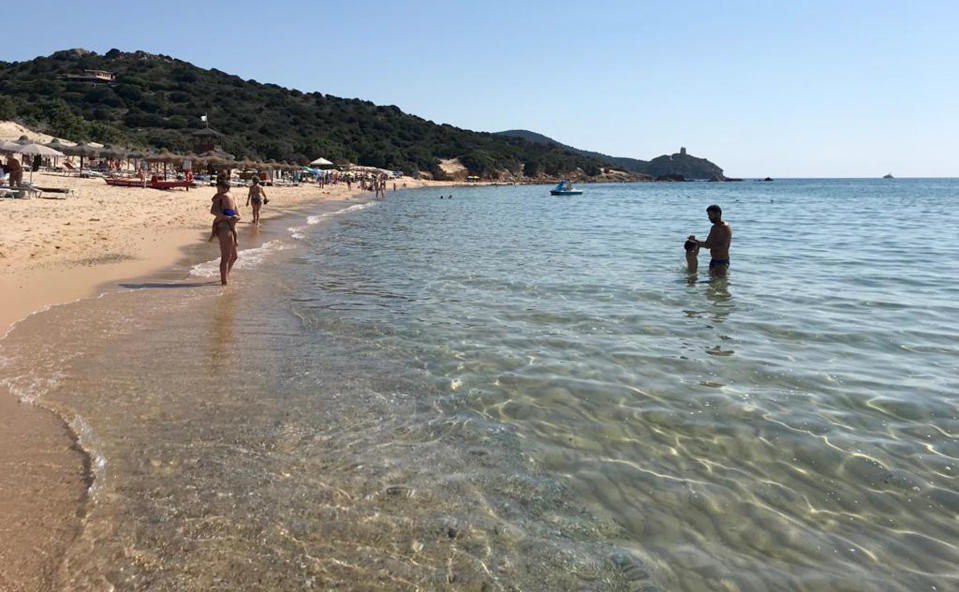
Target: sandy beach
pixel 54 251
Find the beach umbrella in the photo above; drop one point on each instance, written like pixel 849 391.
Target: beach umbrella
pixel 82 150
pixel 56 145
pixel 108 151
pixel 167 157
pixel 217 156
pixel 321 162
pixel 115 152
pixel 211 158
pixel 30 148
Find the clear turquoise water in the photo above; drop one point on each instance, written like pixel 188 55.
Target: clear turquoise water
pixel 524 392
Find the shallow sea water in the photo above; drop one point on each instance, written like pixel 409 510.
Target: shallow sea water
pixel 511 391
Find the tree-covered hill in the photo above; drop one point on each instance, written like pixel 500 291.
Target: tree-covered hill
pixel 156 101
pixel 679 163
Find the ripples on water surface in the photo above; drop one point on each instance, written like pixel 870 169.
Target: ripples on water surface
pixel 514 391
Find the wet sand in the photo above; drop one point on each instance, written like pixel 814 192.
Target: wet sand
pixel 57 251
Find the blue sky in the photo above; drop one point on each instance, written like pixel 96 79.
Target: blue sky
pixel 787 89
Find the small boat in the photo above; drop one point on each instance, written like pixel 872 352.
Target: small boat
pixel 888 176
pixel 565 188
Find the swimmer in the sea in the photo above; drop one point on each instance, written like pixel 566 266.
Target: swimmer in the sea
pixel 692 255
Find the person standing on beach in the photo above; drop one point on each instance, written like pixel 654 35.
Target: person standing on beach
pixel 257 197
pixel 224 210
pixel 720 236
pixel 15 170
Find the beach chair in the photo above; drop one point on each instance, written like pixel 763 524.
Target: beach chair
pixel 27 191
pixel 56 192
pixel 22 192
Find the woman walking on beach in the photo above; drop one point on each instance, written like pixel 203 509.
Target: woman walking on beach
pixel 257 197
pixel 224 210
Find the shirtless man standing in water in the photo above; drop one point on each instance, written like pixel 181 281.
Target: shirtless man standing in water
pixel 720 235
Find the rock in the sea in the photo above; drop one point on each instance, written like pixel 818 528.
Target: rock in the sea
pixel 670 178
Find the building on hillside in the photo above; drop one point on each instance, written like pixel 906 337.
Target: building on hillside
pixel 92 76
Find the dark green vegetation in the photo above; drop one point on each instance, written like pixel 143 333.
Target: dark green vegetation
pixel 680 163
pixel 156 101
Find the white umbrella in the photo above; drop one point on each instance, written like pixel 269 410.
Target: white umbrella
pixel 322 162
pixel 25 146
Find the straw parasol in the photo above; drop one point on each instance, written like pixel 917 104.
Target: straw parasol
pixel 110 152
pixel 210 157
pixel 82 150
pixel 217 156
pixel 57 145
pixel 167 156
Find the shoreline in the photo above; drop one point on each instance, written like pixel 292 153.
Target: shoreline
pixel 46 473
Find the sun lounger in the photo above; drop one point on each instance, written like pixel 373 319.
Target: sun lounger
pixel 23 191
pixel 56 192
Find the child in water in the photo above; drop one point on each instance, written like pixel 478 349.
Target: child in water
pixel 692 255
pixel 232 220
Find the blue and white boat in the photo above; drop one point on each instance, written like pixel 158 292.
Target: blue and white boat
pixel 565 188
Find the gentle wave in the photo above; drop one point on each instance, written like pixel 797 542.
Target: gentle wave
pixel 246 259
pixel 515 391
pixel 317 218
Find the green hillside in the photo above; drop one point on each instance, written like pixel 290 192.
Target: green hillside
pixel 156 101
pixel 680 163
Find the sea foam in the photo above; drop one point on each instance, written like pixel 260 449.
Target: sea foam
pixel 247 259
